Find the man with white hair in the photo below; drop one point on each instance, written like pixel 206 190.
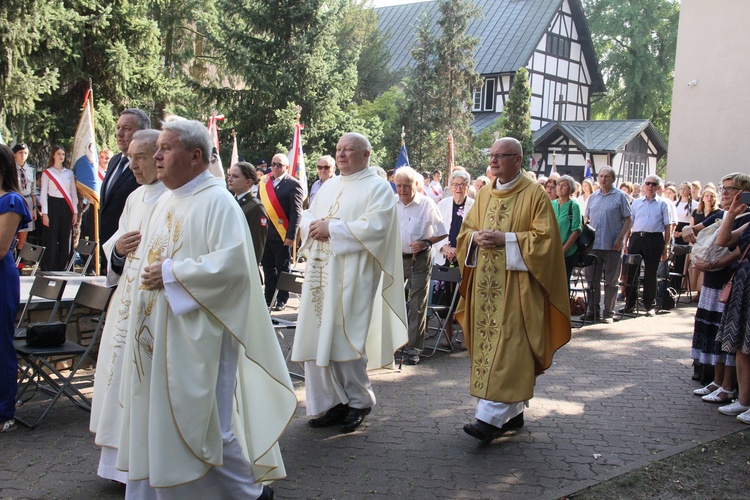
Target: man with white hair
pixel 206 394
pixel 352 314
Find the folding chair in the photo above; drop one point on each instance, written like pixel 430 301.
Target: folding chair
pixel 579 285
pixel 31 254
pixel 292 283
pixel 86 248
pixel 41 361
pixel 631 261
pixel 680 276
pixel 448 275
pixel 45 288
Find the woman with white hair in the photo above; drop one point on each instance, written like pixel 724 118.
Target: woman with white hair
pixel 452 210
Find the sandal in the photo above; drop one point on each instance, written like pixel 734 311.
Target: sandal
pixel 720 395
pixel 705 391
pixel 8 426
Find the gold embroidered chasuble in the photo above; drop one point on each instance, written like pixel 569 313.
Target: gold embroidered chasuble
pixel 170 432
pixel 353 301
pixel 513 321
pixel 106 399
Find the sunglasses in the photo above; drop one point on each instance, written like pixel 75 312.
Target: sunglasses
pixel 653 184
pixel 279 165
pixel 324 167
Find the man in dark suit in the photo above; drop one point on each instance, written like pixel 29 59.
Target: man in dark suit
pixel 241 177
pixel 282 196
pixel 119 181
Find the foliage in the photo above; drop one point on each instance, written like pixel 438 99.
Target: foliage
pixel 384 113
pixel 636 43
pixel 516 119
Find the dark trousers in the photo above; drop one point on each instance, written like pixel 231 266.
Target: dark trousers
pixel 277 259
pixel 57 238
pixel 650 247
pixel 570 264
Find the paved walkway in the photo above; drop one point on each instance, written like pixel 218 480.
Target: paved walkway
pixel 617 397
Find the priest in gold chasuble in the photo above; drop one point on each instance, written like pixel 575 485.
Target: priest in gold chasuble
pixel 514 303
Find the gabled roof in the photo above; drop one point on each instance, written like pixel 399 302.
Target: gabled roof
pixel 508 33
pixel 600 136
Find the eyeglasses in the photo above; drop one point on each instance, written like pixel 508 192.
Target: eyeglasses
pixel 459 186
pixel 649 183
pixel 728 189
pixel 499 156
pixel 324 167
pixel 279 165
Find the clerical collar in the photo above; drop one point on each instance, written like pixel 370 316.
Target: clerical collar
pixel 355 176
pixel 508 185
pixel 189 187
pixel 153 191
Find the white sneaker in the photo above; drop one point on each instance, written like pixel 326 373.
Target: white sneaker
pixel 706 390
pixel 8 426
pixel 734 408
pixel 650 313
pixel 744 417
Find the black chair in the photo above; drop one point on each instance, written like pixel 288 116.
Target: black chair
pixel 631 263
pixel 31 254
pixel 85 248
pixel 44 288
pixel 292 283
pixel 451 277
pixel 679 279
pixel 580 286
pixel 40 368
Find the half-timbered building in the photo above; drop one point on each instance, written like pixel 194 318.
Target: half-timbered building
pixel 550 38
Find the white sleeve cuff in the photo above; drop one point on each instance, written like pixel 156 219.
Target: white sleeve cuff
pixel 178 298
pixel 513 259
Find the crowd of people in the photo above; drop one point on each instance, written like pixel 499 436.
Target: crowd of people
pixel 204 395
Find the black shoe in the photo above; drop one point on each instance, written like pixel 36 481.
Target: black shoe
pixel 487 433
pixel 280 306
pixel 354 419
pixel 333 416
pixel 627 310
pixel 267 493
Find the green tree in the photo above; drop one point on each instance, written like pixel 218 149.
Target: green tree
pixel 636 43
pixel 516 119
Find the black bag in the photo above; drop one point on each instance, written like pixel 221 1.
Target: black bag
pixel 46 334
pixel 586 239
pixel 668 299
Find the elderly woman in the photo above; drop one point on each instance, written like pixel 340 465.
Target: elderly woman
pixel 568 214
pixel 551 187
pixel 707 348
pixel 452 210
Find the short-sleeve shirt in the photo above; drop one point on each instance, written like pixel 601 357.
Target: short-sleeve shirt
pixel 607 214
pixel 569 220
pixel 418 220
pixel 650 216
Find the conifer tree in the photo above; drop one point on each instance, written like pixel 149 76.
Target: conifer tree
pixel 516 119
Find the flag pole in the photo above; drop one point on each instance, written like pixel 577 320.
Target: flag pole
pixel 297 119
pixel 451 157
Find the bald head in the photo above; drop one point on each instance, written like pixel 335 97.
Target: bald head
pixel 506 155
pixel 353 153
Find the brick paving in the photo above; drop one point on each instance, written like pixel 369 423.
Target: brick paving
pixel 617 397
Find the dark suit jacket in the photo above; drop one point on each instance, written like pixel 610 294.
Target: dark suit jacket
pixel 257 220
pixel 289 193
pixel 112 199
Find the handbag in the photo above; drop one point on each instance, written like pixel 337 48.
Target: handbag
pixel 705 248
pixel 726 290
pixel 586 238
pixel 46 334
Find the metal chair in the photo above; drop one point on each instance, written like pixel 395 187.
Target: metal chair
pixel 448 275
pixel 631 262
pixel 679 276
pixel 292 283
pixel 31 254
pixel 40 368
pixel 45 288
pixel 579 285
pixel 85 248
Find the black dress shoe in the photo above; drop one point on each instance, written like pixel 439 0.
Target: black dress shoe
pixel 333 416
pixel 487 433
pixel 267 493
pixel 354 419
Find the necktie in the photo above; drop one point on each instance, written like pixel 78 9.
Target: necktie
pixel 118 170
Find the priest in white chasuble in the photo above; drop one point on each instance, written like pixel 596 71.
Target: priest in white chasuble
pixel 353 315
pixel 123 254
pixel 514 301
pixel 205 393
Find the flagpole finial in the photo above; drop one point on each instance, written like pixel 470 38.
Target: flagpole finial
pixel 403 135
pixel 450 132
pixel 298 109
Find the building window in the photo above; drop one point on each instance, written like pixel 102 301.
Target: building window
pixel 477 99
pixel 489 95
pixel 558 46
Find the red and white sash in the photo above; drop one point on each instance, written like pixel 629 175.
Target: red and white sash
pixel 64 193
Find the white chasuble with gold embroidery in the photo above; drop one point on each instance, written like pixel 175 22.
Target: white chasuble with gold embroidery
pixel 171 433
pixel 353 298
pixel 106 400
